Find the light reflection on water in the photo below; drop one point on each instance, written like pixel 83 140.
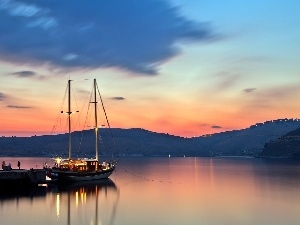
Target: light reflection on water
pixel 86 202
pixel 79 203
pixel 166 191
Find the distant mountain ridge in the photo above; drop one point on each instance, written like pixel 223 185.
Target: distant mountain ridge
pixel 249 141
pixel 139 142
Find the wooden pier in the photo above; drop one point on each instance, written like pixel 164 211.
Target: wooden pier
pixel 21 177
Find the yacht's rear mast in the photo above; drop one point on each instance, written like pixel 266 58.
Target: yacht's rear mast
pixel 96 118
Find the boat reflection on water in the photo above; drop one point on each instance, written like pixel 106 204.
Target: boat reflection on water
pixel 89 202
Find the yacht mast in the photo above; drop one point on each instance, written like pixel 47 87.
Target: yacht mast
pixel 69 115
pixel 96 118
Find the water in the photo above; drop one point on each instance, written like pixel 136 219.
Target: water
pixel 165 191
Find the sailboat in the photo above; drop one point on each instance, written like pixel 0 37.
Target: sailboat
pixel 81 169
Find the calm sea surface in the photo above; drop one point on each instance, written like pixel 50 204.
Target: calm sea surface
pixel 183 191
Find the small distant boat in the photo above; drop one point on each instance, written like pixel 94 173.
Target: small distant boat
pixel 81 169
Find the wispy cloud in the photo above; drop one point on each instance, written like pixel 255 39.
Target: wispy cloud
pixel 24 73
pixel 269 97
pixel 118 98
pixel 18 107
pixel 33 15
pixel 248 90
pixel 2 96
pixel 282 92
pixel 133 35
pixel 226 79
pixel 209 125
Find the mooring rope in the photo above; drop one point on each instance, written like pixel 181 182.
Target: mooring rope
pixel 149 179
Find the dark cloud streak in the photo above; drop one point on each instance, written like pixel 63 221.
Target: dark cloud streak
pixel 248 90
pixel 118 98
pixel 24 73
pixel 19 107
pixel 134 35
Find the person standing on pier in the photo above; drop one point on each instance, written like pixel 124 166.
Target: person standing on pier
pixel 19 164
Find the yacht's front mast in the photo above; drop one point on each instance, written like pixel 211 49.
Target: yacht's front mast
pixel 69 116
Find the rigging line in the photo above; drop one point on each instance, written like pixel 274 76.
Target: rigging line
pixel 59 117
pixel 79 116
pixel 59 114
pixel 103 108
pixel 85 122
pixel 149 179
pixel 105 114
pixel 86 102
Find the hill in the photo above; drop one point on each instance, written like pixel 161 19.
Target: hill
pixel 133 141
pixel 286 146
pixel 249 141
pixel 140 142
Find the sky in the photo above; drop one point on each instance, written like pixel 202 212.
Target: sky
pixel 182 67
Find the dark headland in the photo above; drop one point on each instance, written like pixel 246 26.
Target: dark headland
pixel 276 138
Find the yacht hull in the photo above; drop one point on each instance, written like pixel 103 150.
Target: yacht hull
pixel 65 176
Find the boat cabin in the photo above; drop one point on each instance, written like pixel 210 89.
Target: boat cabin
pixel 78 165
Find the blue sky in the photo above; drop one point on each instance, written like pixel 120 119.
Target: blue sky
pixel 181 67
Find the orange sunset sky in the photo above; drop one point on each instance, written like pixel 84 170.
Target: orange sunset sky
pixel 185 68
